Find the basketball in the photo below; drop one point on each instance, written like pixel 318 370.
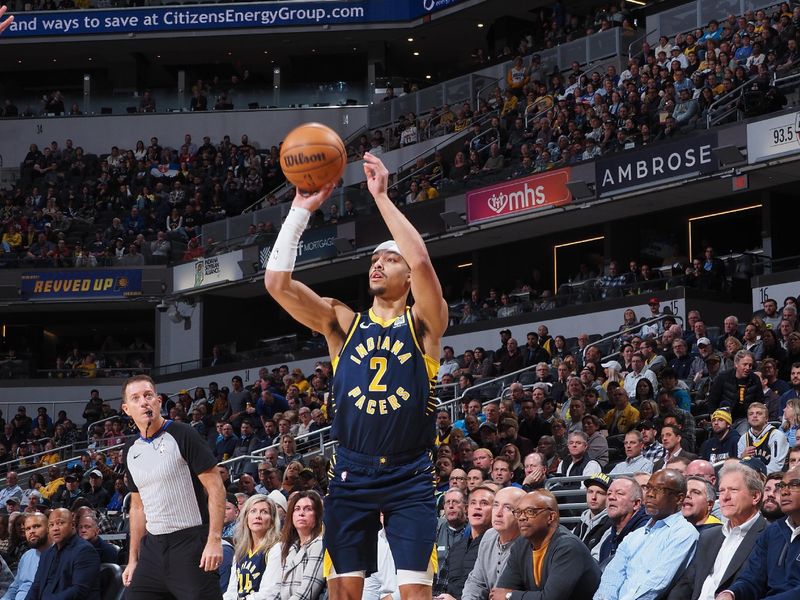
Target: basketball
pixel 313 155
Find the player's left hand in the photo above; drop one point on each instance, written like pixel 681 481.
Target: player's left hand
pixel 212 555
pixel 8 20
pixel 377 174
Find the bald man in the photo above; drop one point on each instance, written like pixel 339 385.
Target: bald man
pixel 70 568
pixel 547 559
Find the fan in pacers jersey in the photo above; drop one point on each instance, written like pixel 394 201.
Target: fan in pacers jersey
pixel 177 504
pixel 256 572
pixel 385 361
pixel 762 440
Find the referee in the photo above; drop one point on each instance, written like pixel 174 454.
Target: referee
pixel 177 504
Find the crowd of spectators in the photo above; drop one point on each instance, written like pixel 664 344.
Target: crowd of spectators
pixel 661 412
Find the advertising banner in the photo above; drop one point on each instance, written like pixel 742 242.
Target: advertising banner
pixel 315 244
pixel 80 284
pixel 207 271
pixel 658 163
pixel 772 138
pixel 543 190
pixel 264 15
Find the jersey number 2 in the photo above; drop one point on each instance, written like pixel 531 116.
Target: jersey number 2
pixel 377 364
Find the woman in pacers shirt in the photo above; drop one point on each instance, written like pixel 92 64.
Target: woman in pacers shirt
pixel 256 571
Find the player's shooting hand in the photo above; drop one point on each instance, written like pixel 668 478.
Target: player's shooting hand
pixel 8 20
pixel 313 201
pixel 377 174
pixel 212 555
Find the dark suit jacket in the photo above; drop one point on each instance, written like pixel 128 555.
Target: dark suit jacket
pixel 690 584
pixel 575 574
pixel 69 573
pixel 660 464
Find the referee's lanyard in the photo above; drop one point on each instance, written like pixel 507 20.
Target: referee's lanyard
pixel 152 438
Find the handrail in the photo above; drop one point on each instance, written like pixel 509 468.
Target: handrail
pixel 42 468
pixel 9 464
pixel 724 101
pixel 617 334
pixel 111 418
pixel 641 37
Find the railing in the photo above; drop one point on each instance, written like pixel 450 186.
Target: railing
pixel 235 464
pixel 570 508
pixel 630 329
pixel 693 15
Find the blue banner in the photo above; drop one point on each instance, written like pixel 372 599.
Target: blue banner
pixel 71 285
pixel 315 244
pixel 220 16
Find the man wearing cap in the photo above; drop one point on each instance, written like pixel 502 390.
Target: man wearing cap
pixel 95 493
pixel 68 493
pixel 652 449
pixel 384 413
pixel 594 520
pixel 722 552
pixel 724 440
pixel 704 349
pixel 12 489
pixel 489 437
pixel 762 440
pixel 231 516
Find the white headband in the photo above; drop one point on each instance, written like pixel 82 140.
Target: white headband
pixel 388 246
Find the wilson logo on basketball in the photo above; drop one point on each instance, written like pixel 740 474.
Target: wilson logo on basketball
pixel 293 160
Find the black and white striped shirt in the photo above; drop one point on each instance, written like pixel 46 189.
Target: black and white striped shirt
pixel 163 469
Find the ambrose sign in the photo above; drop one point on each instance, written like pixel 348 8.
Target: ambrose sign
pixel 519 196
pixel 656 164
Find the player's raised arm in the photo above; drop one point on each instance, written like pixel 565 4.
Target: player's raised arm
pixel 300 301
pixel 429 304
pixel 7 21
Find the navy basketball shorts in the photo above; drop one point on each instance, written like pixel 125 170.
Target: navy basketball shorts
pixel 361 487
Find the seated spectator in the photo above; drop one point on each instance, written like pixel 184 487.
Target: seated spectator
pixel 579 463
pixel 626 513
pixel 463 554
pixel 256 565
pixel 671 437
pixel 623 417
pixel 38 542
pixel 634 461
pixel 699 501
pixel 495 546
pixel 70 568
pixel 648 559
pixel 763 441
pixel 771 568
pixel 301 551
pixel 554 551
pixel 594 520
pixel 450 527
pixel 89 530
pixel 723 441
pixel 723 552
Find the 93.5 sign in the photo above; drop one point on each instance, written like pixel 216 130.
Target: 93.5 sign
pixel 772 138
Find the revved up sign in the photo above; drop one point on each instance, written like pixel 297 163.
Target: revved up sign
pixel 543 190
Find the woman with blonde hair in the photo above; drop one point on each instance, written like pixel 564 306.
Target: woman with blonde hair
pixel 256 570
pixel 791 421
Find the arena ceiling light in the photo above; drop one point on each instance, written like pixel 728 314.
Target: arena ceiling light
pixel 558 247
pixel 410 39
pixel 637 2
pixel 693 220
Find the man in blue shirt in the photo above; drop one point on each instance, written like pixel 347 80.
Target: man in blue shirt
pixel 36 536
pixel 649 558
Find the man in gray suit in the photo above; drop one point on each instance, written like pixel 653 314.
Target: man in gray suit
pixel 547 561
pixel 723 551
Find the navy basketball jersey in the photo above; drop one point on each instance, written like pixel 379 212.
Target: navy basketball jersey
pixel 382 388
pixel 249 571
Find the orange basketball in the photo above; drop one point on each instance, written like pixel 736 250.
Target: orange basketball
pixel 313 155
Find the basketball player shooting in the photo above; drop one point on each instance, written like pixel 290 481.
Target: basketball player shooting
pixel 385 362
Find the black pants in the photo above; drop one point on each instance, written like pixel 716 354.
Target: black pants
pixel 168 568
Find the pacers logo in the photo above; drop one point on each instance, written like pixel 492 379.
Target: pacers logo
pixel 378 398
pixel 428 4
